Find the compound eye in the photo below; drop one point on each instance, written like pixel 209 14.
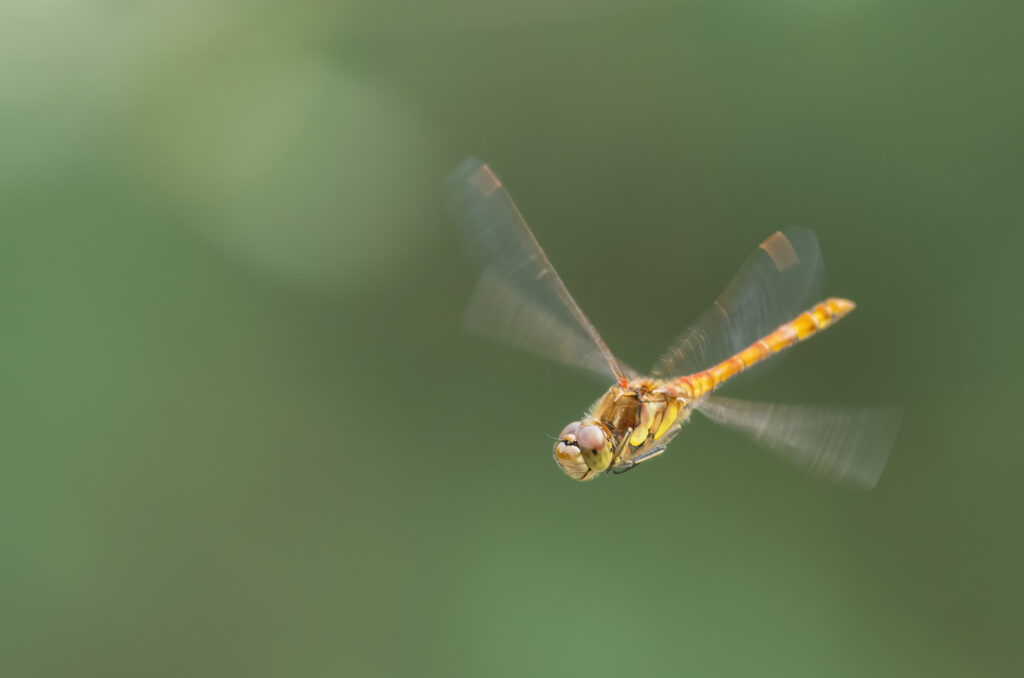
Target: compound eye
pixel 590 437
pixel 569 430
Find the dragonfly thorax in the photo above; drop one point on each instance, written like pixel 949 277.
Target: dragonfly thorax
pixel 627 424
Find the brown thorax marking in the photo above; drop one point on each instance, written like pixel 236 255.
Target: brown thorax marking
pixel 634 415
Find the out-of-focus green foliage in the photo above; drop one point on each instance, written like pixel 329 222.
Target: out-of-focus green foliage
pixel 244 435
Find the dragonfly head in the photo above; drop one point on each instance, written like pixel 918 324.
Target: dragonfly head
pixel 583 450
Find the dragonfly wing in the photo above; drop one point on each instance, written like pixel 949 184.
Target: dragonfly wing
pixel 846 446
pixel 776 283
pixel 520 299
pixel 502 313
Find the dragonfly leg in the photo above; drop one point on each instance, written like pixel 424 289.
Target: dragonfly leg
pixel 617 454
pixel 634 462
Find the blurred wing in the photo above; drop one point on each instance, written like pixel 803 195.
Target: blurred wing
pixel 846 446
pixel 520 300
pixel 775 284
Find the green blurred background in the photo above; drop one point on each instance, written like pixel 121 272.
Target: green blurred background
pixel 244 435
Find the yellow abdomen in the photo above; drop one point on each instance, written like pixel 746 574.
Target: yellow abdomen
pixel 803 326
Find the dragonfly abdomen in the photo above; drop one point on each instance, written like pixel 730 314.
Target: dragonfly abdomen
pixel 802 327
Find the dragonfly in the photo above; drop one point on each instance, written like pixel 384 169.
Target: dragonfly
pixel 766 308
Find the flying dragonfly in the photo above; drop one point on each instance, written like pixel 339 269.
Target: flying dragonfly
pixel 766 308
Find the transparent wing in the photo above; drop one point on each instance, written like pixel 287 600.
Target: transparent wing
pixel 776 283
pixel 520 300
pixel 846 446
